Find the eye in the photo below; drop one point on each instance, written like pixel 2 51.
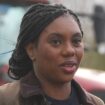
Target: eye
pixel 77 41
pixel 56 41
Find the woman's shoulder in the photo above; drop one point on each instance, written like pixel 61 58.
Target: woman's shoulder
pixel 96 100
pixel 10 87
pixel 9 92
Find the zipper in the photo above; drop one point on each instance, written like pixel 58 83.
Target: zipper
pixel 45 101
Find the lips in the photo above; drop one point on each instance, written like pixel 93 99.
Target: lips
pixel 69 66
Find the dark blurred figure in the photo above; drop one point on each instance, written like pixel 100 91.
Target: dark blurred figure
pixel 99 27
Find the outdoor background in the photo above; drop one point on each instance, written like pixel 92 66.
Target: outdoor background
pixel 11 14
pixel 92 16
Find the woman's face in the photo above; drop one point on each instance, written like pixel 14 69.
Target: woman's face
pixel 59 51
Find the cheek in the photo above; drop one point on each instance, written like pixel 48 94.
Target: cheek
pixel 48 55
pixel 80 53
pixel 52 58
pixel 46 60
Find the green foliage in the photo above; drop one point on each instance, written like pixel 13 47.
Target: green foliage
pixel 93 60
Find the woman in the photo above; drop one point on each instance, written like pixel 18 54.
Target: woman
pixel 47 55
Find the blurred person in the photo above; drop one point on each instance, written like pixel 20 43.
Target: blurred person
pixel 48 52
pixel 99 27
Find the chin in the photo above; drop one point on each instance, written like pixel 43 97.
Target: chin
pixel 67 80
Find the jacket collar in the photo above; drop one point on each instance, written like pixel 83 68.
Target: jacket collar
pixel 30 86
pixel 83 95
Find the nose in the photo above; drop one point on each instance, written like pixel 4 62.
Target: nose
pixel 68 50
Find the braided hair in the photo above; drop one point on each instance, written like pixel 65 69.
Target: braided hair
pixel 33 23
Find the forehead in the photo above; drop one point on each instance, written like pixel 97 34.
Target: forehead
pixel 63 23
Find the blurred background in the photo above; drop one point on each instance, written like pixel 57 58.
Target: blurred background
pixel 92 16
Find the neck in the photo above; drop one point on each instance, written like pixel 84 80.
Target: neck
pixel 59 92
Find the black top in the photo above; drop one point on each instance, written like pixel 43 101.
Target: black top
pixel 72 100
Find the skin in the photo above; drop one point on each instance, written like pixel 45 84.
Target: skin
pixel 57 56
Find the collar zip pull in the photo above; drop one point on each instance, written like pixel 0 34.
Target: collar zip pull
pixel 45 101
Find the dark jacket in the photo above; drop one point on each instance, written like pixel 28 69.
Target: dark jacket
pixel 27 91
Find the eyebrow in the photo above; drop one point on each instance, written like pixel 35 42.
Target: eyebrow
pixel 78 34
pixel 75 34
pixel 55 33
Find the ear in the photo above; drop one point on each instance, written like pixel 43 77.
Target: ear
pixel 30 49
